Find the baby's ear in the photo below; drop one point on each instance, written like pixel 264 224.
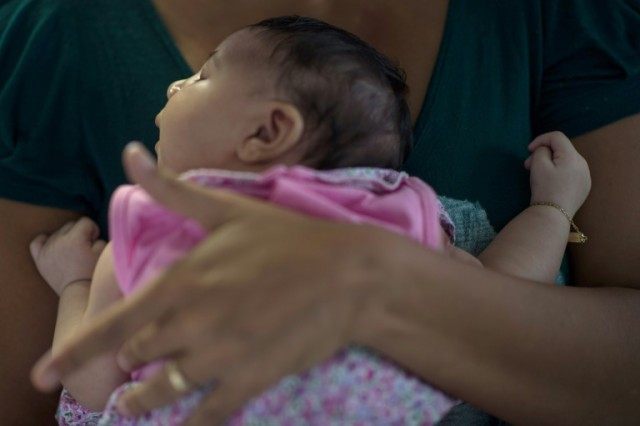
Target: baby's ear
pixel 278 133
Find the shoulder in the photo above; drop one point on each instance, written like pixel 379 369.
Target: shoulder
pixel 590 64
pixel 39 35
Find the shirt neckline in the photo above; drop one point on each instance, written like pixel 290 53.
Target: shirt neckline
pixel 424 116
pixel 160 27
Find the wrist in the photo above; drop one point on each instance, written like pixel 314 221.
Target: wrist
pixel 575 235
pixel 83 283
pixel 549 213
pixel 569 207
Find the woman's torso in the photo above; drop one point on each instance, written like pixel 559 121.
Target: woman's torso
pixel 107 67
pixel 456 148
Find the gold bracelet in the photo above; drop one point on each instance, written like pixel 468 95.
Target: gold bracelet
pixel 575 236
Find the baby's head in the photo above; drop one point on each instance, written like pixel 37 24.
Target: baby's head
pixel 287 90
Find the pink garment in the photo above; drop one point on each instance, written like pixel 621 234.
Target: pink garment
pixel 147 238
pixel 355 386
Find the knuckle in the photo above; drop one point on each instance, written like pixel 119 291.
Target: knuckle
pixel 192 331
pixel 112 331
pixel 137 350
pixel 71 361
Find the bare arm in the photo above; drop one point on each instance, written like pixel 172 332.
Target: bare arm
pixel 611 215
pixel 92 385
pixel 528 353
pixel 27 308
pixel 532 245
pixel 540 354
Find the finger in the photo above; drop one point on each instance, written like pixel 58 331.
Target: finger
pixel 244 377
pixel 148 345
pixel 542 155
pixel 197 368
pixel 527 163
pixel 108 331
pixel 172 335
pixel 557 141
pixel 99 246
pixel 209 207
pixel 86 228
pixel 248 379
pixel 65 228
pixel 156 391
pixel 37 244
pixel 217 407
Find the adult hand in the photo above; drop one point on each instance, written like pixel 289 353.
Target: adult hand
pixel 268 293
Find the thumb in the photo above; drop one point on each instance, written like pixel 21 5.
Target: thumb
pixel 559 144
pixel 86 229
pixel 542 156
pixel 98 246
pixel 211 208
pixel 36 245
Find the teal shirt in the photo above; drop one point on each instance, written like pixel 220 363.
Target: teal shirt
pixel 80 80
pixel 510 70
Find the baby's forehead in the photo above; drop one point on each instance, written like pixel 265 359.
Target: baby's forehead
pixel 245 47
pixel 246 55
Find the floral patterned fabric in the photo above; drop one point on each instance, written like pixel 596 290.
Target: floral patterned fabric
pixel 355 387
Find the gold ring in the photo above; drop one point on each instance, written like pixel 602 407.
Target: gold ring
pixel 177 380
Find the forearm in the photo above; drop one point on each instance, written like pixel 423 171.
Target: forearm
pixel 525 352
pixel 531 246
pixel 71 307
pixel 610 214
pixel 93 384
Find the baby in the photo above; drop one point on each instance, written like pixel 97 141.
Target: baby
pixel 307 116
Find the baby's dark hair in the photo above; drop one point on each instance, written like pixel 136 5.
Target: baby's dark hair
pixel 351 96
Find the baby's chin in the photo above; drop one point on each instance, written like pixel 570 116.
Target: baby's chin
pixel 159 159
pixel 168 165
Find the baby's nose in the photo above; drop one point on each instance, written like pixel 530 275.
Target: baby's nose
pixel 174 88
